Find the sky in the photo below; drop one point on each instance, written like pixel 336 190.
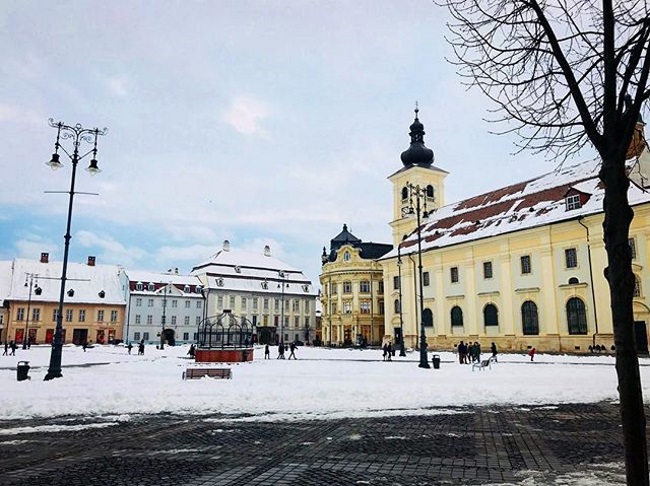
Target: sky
pixel 261 122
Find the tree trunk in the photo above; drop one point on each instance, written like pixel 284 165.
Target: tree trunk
pixel 616 225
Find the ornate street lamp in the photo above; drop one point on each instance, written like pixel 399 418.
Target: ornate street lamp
pixel 402 351
pixel 76 134
pixel 419 193
pixel 29 282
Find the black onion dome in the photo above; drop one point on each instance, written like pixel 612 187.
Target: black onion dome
pixel 417 153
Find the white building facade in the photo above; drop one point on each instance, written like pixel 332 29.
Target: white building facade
pixel 276 298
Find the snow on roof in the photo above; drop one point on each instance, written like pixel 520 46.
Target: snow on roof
pixel 154 277
pixel 251 272
pixel 521 206
pixel 86 281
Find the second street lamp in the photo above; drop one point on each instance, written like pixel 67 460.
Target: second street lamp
pixel 30 280
pixel 77 134
pixel 419 193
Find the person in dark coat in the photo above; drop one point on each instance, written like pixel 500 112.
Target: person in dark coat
pixel 462 353
pixel 6 353
pixel 141 348
pixel 13 346
pixel 129 347
pixel 385 349
pixel 292 348
pixel 192 351
pixel 280 351
pixel 493 348
pixel 267 352
pixel 389 352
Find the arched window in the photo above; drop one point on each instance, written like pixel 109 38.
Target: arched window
pixel 397 306
pixel 576 316
pixel 637 286
pixel 405 193
pixel 456 316
pixel 490 315
pixel 430 191
pixel 427 318
pixel 574 281
pixel 529 319
pixel 347 287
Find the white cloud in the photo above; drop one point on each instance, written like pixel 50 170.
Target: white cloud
pixel 118 85
pixel 32 246
pixel 245 115
pixel 18 114
pixel 111 251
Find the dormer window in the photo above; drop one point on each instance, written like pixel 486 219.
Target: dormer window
pixel 573 202
pixel 237 269
pixel 186 289
pixel 220 282
pixel 138 286
pixel 346 256
pixel 305 288
pixel 151 287
pixel 265 285
pixel 198 289
pixel 71 293
pixel 102 294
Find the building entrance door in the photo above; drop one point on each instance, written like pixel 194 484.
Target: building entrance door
pixel 641 337
pixel 79 336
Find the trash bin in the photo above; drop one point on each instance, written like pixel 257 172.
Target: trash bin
pixel 436 361
pixel 21 370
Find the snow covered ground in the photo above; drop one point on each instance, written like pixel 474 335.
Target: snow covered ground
pixel 322 383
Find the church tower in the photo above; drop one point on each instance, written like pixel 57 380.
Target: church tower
pixel 417 170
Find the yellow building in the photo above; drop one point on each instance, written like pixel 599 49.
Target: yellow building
pixel 94 304
pixel 522 266
pixel 352 298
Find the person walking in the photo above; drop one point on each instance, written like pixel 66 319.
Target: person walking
pixel 280 351
pixel 192 351
pixel 12 345
pixel 292 348
pixel 267 352
pixel 389 352
pixel 531 353
pixel 477 352
pixel 129 347
pixel 6 349
pixel 462 353
pixel 385 349
pixel 493 348
pixel 141 348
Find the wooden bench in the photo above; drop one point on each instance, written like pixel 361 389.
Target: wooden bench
pixel 193 373
pixel 486 363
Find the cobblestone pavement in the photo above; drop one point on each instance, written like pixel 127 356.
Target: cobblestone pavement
pixel 460 446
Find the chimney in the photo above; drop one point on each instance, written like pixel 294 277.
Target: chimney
pixel 267 250
pixel 91 261
pixel 45 257
pixel 226 245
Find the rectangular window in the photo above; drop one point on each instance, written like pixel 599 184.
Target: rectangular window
pixel 255 300
pixel 68 315
pixel 232 301
pixel 186 336
pixel 307 307
pixel 381 287
pixel 333 289
pixel 187 320
pixel 187 304
pixel 198 320
pixel 150 303
pixel 138 302
pixel 174 303
pixel 100 316
pixel 220 302
pixel 266 304
pixel 426 280
pixel 306 321
pixel 333 306
pixel 296 321
pixel 294 305
pixel 364 307
pixel 243 302
pixel 573 202
pixel 20 314
pixel 113 316
pixel 525 264
pixel 149 319
pixel 382 310
pixel 487 270
pixel 199 304
pixel 173 320
pixel 347 307
pixel 396 282
pixel 136 336
pixel 36 314
pixel 138 319
pixel 570 258
pixel 54 314
pixel 347 287
pixel 276 305
pixel 364 287
pixel 453 272
pixel 632 244
pixel 82 315
pixel 145 336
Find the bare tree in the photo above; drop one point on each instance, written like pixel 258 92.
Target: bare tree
pixel 564 74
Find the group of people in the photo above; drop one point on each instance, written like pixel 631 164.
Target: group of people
pixel 281 349
pixel 10 345
pixel 388 351
pixel 471 352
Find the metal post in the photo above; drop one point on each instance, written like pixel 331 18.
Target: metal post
pixel 162 331
pixel 77 134
pixel 424 362
pixel 402 351
pixel 30 276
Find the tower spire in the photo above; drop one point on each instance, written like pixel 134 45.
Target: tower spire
pixel 417 153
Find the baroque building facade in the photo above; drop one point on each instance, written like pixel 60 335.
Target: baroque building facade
pixel 352 298
pixel 521 266
pixel 276 298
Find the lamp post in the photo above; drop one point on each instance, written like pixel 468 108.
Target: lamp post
pixel 29 282
pixel 420 193
pixel 402 351
pixel 76 134
pixel 282 275
pixel 162 331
